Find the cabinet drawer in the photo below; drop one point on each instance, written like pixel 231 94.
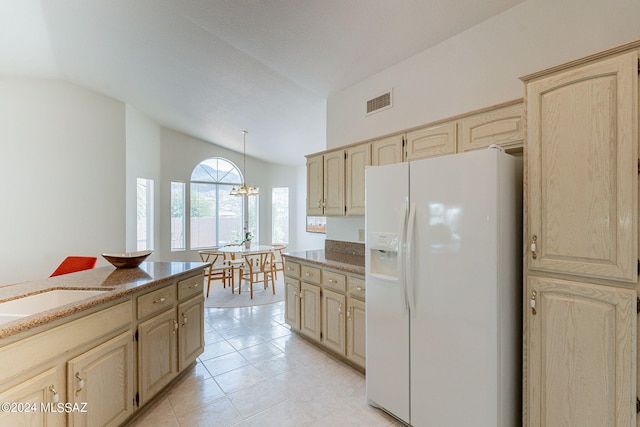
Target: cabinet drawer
pixel 310 274
pixel 190 286
pixel 357 287
pixel 335 281
pixel 156 301
pixel 291 268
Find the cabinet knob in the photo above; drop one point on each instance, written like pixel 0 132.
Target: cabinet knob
pixel 55 397
pixel 534 241
pixel 175 326
pixel 533 302
pixel 160 300
pixel 80 383
pixel 195 285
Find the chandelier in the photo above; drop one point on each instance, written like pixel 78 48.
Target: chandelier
pixel 244 190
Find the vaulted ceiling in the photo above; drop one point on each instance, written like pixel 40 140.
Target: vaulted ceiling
pixel 211 68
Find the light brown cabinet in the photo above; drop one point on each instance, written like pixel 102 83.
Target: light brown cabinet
pixel 87 360
pixel 41 390
pixel 315 185
pixel 334 183
pixel 581 350
pixel 386 151
pixel 170 334
pixel 103 376
pixel 358 158
pixel 502 126
pixel 431 141
pixel 333 321
pixel 328 307
pixel 582 168
pixel 326 184
pixel 581 256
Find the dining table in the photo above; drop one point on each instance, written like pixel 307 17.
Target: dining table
pixel 238 252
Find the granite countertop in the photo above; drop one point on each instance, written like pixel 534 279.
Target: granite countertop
pixel 350 263
pixel 118 283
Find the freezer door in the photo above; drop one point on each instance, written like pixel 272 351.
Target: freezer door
pixel 454 344
pixel 387 318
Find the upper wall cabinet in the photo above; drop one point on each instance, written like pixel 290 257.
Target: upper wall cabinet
pixel 334 183
pixel 582 130
pixel 358 158
pixel 386 151
pixel 502 126
pixel 325 184
pixel 431 141
pixel 315 184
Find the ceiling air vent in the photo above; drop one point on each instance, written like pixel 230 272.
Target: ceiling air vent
pixel 378 103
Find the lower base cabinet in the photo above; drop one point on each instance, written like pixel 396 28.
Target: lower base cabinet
pixel 91 359
pixel 292 303
pixel 191 331
pixel 334 330
pixel 581 351
pixel 40 390
pixel 356 332
pixel 310 311
pixel 157 354
pixel 331 312
pixel 104 377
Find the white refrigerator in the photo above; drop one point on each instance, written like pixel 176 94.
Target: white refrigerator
pixel 444 289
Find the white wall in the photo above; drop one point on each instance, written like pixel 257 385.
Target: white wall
pixel 69 160
pixel 478 68
pixel 143 161
pixel 62 169
pixel 181 153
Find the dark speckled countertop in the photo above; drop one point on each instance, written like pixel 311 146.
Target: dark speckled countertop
pixel 119 283
pixel 348 262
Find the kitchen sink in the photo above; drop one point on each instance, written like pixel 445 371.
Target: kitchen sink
pixel 36 303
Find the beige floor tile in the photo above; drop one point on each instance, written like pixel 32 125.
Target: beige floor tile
pixel 255 372
pixel 239 378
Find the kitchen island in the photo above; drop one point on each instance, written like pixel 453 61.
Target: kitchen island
pixel 325 299
pixel 98 359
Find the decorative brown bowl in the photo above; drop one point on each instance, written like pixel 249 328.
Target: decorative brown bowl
pixel 127 260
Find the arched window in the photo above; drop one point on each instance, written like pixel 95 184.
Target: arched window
pixel 217 218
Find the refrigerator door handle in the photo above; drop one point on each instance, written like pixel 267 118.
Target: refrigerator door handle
pixel 409 259
pixel 401 256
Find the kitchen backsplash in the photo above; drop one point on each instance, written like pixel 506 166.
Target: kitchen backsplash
pixel 347 252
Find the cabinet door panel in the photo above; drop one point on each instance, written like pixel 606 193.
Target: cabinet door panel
pixel 334 183
pixel 102 376
pixel 314 185
pixel 191 332
pixel 501 126
pixel 358 158
pixel 356 332
pixel 432 141
pixel 310 310
pixel 39 391
pixel 333 321
pixel 292 302
pixel 387 151
pixel 157 353
pixel 582 344
pixel 582 161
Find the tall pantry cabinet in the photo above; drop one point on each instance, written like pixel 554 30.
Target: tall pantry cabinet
pixel 581 234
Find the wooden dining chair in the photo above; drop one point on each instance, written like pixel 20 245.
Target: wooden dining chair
pixel 235 263
pixel 219 268
pixel 278 262
pixel 256 268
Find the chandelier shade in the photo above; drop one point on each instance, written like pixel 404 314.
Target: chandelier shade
pixel 244 190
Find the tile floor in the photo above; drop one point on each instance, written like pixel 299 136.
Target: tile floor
pixel 255 372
